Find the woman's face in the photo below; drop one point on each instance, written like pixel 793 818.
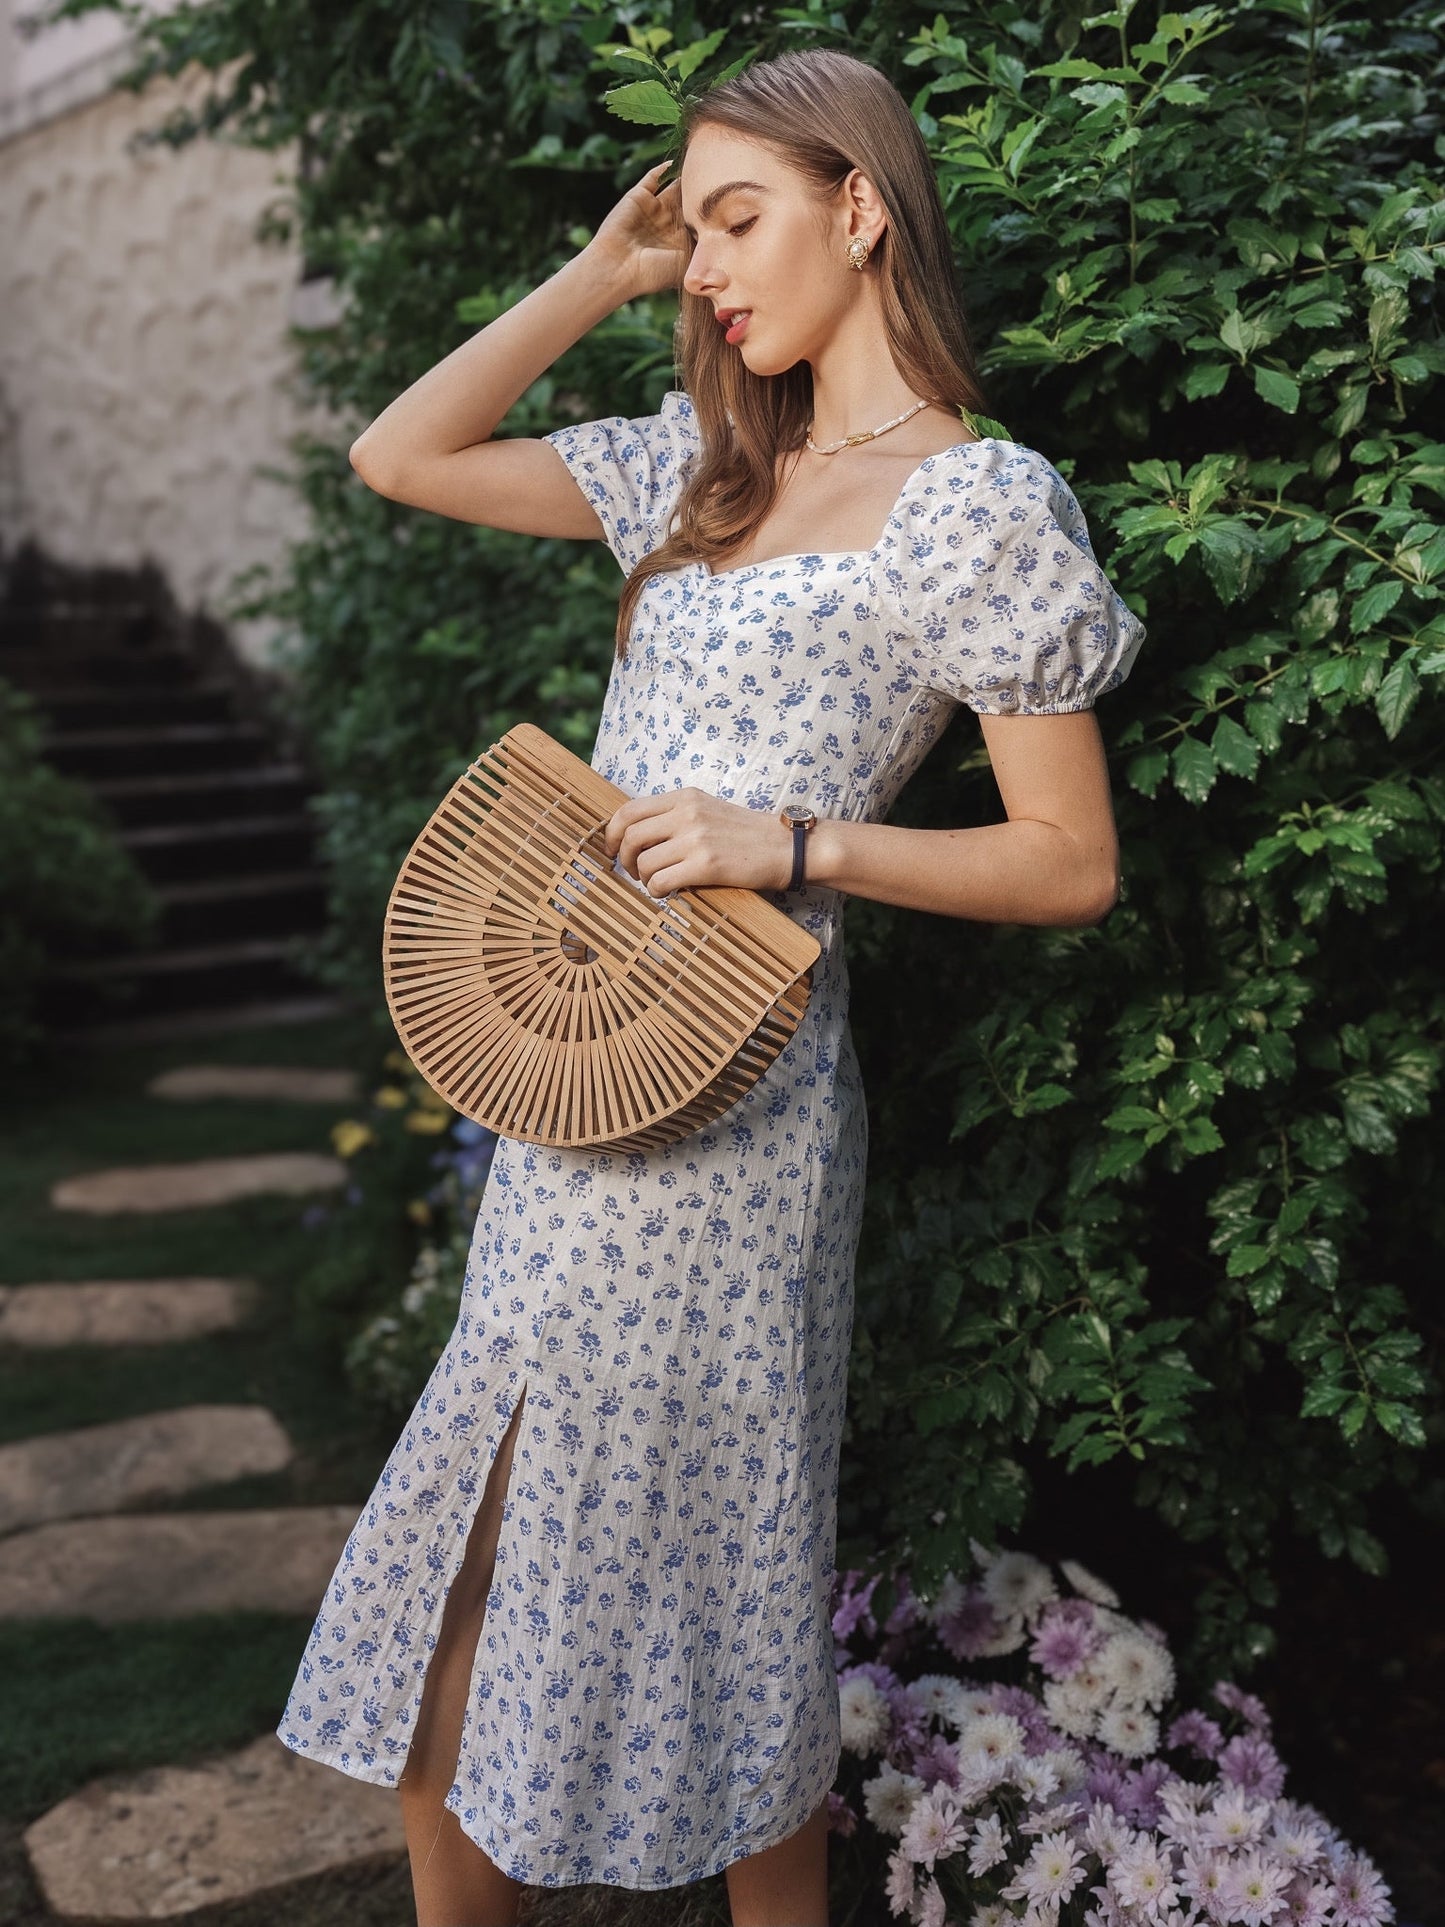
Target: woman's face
pixel 762 242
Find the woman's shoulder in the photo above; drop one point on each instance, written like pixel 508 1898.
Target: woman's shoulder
pixel 979 489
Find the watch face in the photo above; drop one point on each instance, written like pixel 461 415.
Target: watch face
pixel 797 812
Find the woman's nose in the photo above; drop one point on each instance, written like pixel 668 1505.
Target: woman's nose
pixel 698 277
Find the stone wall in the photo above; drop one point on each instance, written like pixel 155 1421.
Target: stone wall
pixel 146 372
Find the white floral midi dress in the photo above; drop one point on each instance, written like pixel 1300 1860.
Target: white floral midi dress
pixel 654 1692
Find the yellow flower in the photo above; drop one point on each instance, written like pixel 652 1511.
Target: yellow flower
pixel 419 1211
pixel 390 1097
pixel 348 1137
pixel 427 1123
pixel 397 1060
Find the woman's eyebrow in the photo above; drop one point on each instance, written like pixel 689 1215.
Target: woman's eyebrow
pixel 719 194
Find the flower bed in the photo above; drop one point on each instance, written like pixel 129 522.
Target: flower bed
pixel 1069 1788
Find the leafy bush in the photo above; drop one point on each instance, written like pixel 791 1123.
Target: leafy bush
pixel 1136 1190
pixel 66 883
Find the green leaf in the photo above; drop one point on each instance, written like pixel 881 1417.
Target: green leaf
pixel 647 102
pixel 1194 769
pixel 1234 749
pixel 1277 388
pixel 1374 605
pixel 1397 696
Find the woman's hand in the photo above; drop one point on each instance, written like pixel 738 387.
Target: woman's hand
pixel 689 838
pixel 643 237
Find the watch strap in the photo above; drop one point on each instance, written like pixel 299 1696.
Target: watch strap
pixel 800 844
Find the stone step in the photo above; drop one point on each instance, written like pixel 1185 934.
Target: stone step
pixel 173 1026
pixel 92 705
pixel 185 1187
pixel 170 1840
pixel 180 977
pixel 266 903
pixel 136 1461
pixel 81 655
pixel 294 1084
pixel 191 852
pixel 190 796
pixel 106 1311
pixel 98 753
pixel 173 1565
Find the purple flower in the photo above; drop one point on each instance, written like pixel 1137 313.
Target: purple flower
pixel 1141 1800
pixel 1251 1762
pixel 1111 1783
pixel 1361 1897
pixel 972 1628
pixel 854 1609
pixel 1064 1639
pixel 841 1817
pixel 1250 1709
pixel 1196 1730
pixel 937 1762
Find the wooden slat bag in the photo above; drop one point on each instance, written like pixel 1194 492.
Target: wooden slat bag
pixel 547 995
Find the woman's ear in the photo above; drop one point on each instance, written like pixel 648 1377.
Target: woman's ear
pixel 863 207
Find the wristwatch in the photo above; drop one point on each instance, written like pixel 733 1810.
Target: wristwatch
pixel 799 819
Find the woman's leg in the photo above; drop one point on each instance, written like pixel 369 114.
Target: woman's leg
pixel 456 1885
pixel 785 1885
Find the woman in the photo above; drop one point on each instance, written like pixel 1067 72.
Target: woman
pixel 619 1669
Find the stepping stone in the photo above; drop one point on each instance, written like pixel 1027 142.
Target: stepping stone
pixel 166 1841
pixel 150 1311
pixel 170 1565
pixel 161 1455
pixel 291 1085
pixel 183 1187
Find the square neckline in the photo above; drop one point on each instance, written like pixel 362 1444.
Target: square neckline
pixel 843 555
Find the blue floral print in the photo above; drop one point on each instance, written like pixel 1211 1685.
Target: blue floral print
pixel 654 1694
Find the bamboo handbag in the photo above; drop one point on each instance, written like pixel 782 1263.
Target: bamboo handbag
pixel 549 996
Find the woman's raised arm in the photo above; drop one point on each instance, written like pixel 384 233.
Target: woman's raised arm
pixel 432 447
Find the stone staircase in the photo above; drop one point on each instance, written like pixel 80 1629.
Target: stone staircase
pixel 181 742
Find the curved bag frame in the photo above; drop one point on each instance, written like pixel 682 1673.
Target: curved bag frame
pixel 548 996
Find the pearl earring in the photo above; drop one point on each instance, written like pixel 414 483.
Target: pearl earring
pixel 858 251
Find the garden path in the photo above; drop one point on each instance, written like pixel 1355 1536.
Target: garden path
pixel 164 1841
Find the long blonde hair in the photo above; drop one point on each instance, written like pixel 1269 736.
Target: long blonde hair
pixel 824 113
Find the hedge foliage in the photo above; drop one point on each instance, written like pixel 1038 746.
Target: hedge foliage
pixel 1156 1203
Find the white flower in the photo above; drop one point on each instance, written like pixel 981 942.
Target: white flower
pixel 1084 1583
pixel 983 1557
pixel 1108 1833
pixel 1050 1874
pixel 1202 1877
pixel 997 1735
pixel 934 1693
pixel 929 1909
pixel 1252 1888
pixel 1139 1669
pixel 988 1845
pixel 970 1703
pixel 1072 1708
pixel 1017 1584
pixel 898 1888
pixel 1183 1822
pixel 1070 1767
pixel 1034 1777
pixel 1064 1813
pixel 935 1828
pixel 888 1799
pixel 1234 1819
pixel 949 1598
pixel 1143 1876
pixel 1091 1686
pixel 1297 1843
pixel 991 1914
pixel 1129 1730
pixel 864 1715
pixel 1010 1636
pixel 978 1775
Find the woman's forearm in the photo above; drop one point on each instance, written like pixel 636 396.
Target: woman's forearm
pixel 460 401
pixel 1022 871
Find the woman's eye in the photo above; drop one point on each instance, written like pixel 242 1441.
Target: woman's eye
pixel 743 226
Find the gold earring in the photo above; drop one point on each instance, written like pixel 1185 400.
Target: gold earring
pixel 858 251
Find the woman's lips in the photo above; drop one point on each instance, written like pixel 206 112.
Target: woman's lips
pixel 738 328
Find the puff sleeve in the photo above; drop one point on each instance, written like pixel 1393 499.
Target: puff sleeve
pixel 988 573
pixel 632 470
